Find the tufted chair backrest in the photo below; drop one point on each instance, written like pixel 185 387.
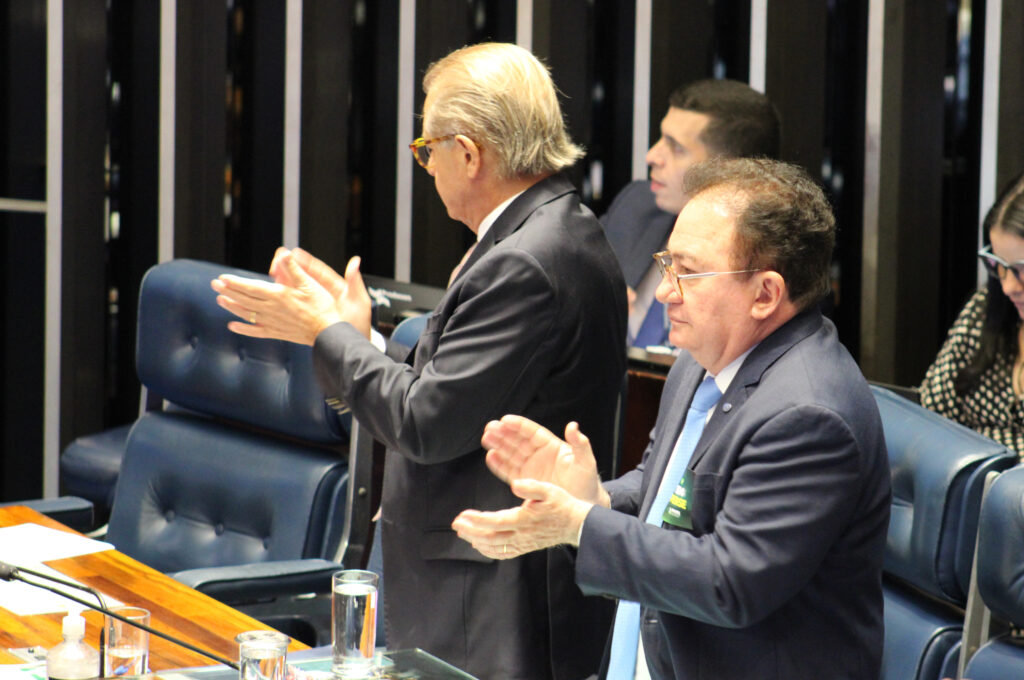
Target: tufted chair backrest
pixel 246 463
pixel 938 469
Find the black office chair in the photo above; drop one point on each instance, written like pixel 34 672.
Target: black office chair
pixel 245 484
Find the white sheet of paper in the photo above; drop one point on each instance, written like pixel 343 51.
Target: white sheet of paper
pixel 25 543
pixel 29 545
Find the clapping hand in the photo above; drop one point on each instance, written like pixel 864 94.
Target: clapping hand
pixel 518 448
pixel 305 297
pixel 557 479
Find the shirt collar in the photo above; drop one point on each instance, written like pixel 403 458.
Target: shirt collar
pixel 492 217
pixel 726 375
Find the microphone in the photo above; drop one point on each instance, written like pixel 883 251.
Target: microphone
pixel 9 572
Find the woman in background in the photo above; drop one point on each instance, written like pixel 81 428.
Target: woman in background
pixel 977 379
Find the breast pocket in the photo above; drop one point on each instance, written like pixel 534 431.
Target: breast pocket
pixel 706 500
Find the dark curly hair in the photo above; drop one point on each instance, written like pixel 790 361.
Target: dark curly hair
pixel 783 220
pixel 1001 323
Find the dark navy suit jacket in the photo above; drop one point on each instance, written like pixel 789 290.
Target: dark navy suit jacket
pixel 534 324
pixel 780 578
pixel 637 228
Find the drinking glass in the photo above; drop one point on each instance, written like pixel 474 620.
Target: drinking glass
pixel 262 655
pixel 354 623
pixel 127 646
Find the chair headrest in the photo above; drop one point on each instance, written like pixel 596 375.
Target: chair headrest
pixel 937 476
pixel 186 355
pixel 1001 547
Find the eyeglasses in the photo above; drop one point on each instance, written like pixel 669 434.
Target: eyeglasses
pixel 997 266
pixel 664 262
pixel 421 148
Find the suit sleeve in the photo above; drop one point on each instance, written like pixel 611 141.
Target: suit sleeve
pixel 794 488
pixel 492 354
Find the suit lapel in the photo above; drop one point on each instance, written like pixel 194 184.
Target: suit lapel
pixel 670 432
pixel 515 215
pixel 750 373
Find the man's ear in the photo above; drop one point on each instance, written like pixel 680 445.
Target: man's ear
pixel 771 293
pixel 470 155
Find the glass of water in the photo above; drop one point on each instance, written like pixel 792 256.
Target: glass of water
pixel 262 655
pixel 354 624
pixel 127 646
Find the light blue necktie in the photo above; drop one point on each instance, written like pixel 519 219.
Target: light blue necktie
pixel 626 632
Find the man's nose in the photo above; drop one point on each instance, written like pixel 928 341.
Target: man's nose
pixel 667 292
pixel 654 154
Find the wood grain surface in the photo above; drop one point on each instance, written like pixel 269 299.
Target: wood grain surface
pixel 174 608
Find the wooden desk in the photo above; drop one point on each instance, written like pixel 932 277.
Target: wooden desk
pixel 175 608
pixel 646 378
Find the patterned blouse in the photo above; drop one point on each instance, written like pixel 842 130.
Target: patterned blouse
pixel 991 408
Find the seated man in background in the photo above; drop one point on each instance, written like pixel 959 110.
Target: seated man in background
pixel 749 542
pixel 705 119
pixel 534 321
pixel 977 379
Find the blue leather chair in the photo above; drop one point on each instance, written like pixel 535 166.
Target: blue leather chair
pixel 408 330
pixel 241 485
pixel 71 511
pixel 1000 577
pixel 938 469
pixel 89 467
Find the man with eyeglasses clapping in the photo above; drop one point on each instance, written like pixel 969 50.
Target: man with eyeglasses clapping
pixel 534 322
pixel 749 542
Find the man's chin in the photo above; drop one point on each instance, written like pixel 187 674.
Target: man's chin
pixel 678 335
pixel 666 204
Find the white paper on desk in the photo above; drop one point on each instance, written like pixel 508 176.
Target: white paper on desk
pixel 28 545
pixel 31 543
pixel 26 600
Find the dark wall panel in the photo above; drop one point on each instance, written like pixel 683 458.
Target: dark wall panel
pixel 326 94
pixel 900 339
pixel 256 59
pixel 795 78
pixel 1011 93
pixel 842 168
pixel 133 189
pixel 22 244
pixel 569 55
pixel 371 162
pixel 682 50
pixel 83 289
pixel 200 145
pixel 611 135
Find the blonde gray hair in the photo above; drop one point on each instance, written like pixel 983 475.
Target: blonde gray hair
pixel 502 97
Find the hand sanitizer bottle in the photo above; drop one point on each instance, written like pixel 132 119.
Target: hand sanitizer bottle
pixel 73 659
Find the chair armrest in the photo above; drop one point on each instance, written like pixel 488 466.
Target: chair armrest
pixel 261 580
pixel 71 511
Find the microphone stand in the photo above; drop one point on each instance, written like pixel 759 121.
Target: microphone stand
pixel 14 573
